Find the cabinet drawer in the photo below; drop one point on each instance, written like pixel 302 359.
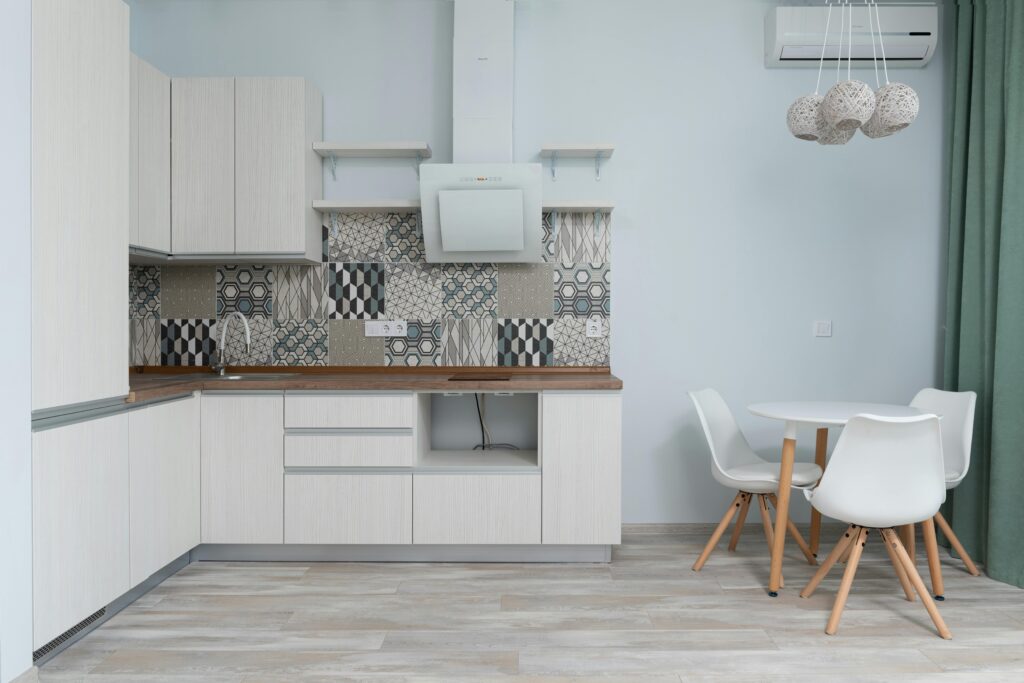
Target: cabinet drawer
pixel 476 508
pixel 348 508
pixel 370 411
pixel 349 450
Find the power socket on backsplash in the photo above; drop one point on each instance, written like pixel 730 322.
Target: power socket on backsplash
pixel 594 327
pixel 385 328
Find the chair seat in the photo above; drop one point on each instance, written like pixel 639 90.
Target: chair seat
pixel 764 477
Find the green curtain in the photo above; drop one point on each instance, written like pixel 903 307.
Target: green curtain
pixel 985 295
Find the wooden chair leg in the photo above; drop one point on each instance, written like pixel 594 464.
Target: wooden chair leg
pixel 719 530
pixel 908 537
pixel 820 449
pixel 955 542
pixel 915 579
pixel 931 547
pixel 901 573
pixel 845 557
pixel 797 536
pixel 769 531
pixel 832 558
pixel 844 586
pixel 740 521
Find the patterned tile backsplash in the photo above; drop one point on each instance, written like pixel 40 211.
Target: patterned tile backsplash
pixel 467 314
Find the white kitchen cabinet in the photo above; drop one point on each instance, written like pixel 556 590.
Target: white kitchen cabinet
pixel 163 454
pixel 476 508
pixel 581 440
pixel 352 410
pixel 348 508
pixel 79 522
pixel 349 449
pixel 203 165
pixel 80 201
pixel 242 468
pixel 150 158
pixel 277 173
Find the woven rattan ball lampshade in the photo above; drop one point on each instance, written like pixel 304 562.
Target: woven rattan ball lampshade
pixel 827 135
pixel 873 128
pixel 897 107
pixel 802 117
pixel 848 105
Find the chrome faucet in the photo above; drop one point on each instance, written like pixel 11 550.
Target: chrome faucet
pixel 219 358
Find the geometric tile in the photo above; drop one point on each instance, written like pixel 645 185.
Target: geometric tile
pixel 248 289
pixel 357 237
pixel 355 291
pixel 548 237
pixel 577 240
pixel 299 292
pixel 325 233
pixel 186 341
pixel 524 290
pixel 420 346
pixel 469 342
pixel 573 347
pixel 144 342
pixel 188 292
pixel 143 292
pixel 413 291
pixel 403 240
pixel 525 342
pixel 349 345
pixel 469 290
pixel 300 342
pixel 582 289
pixel 261 335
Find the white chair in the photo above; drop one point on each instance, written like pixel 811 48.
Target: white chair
pixel 735 464
pixel 885 472
pixel 957 411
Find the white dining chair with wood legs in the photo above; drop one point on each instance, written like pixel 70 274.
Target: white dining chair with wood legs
pixel 735 464
pixel 957 426
pixel 885 472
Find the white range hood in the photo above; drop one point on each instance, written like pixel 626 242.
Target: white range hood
pixel 482 207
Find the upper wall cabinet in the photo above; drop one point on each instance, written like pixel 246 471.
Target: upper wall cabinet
pixel 150 223
pixel 80 201
pixel 203 166
pixel 277 173
pixel 243 171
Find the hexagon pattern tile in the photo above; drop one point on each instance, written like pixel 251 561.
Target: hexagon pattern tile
pixel 248 289
pixel 144 292
pixel 420 346
pixel 300 342
pixel 582 290
pixel 469 290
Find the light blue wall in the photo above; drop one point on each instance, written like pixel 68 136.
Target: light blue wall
pixel 729 236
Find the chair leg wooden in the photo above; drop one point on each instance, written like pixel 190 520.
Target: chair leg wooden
pixel 844 586
pixel 820 451
pixel 908 537
pixel 832 558
pixel 769 531
pixel 955 542
pixel 740 521
pixel 915 579
pixel 719 530
pixel 901 573
pixel 931 547
pixel 797 536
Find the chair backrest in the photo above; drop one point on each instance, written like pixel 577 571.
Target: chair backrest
pixel 886 468
pixel 728 446
pixel 956 408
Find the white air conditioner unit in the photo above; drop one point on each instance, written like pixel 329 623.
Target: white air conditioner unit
pixel 793 36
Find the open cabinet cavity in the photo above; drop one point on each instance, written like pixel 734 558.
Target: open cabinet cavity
pixel 488 431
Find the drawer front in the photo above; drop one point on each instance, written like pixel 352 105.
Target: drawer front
pixel 476 508
pixel 349 411
pixel 349 450
pixel 348 508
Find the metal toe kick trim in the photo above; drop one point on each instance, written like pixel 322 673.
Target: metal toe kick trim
pixel 227 552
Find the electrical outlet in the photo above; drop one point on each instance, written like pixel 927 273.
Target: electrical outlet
pixel 594 327
pixel 822 328
pixel 385 328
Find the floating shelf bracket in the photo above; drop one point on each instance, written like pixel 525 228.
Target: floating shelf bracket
pixel 597 167
pixel 599 152
pixel 554 162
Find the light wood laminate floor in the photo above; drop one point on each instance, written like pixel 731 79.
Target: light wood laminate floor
pixel 644 617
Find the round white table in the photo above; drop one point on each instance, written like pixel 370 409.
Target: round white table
pixel 821 415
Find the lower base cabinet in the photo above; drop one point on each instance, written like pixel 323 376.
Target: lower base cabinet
pixel 476 508
pixel 348 508
pixel 79 522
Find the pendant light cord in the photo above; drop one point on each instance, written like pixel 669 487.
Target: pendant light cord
pixel 881 43
pixel 824 44
pixel 871 28
pixel 842 34
pixel 849 47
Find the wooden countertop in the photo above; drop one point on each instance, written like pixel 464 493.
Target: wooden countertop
pixel 150 385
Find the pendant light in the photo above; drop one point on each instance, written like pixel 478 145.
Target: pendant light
pixel 829 134
pixel 803 117
pixel 897 104
pixel 848 104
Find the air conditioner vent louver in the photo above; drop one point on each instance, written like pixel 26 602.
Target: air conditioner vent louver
pixel 67 635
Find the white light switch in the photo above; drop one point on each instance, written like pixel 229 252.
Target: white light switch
pixel 594 327
pixel 822 328
pixel 385 328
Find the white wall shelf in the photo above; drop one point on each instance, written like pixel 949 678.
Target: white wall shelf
pixel 578 206
pixel 366 206
pixel 372 150
pixel 597 152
